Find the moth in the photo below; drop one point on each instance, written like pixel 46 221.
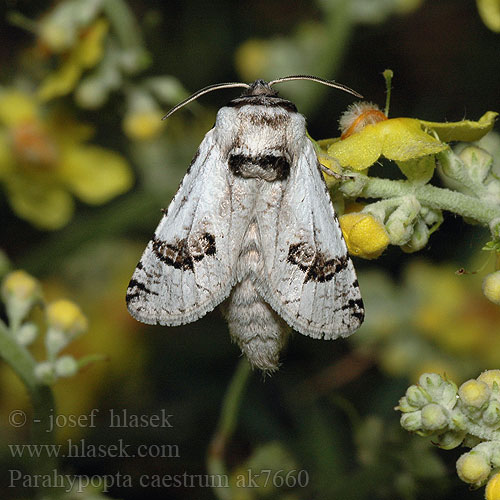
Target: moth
pixel 252 227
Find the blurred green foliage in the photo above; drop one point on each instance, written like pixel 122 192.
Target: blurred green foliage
pixel 107 70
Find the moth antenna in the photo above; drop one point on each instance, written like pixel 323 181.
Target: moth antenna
pixel 205 90
pixel 317 79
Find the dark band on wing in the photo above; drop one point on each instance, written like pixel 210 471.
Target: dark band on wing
pixel 139 287
pixel 182 255
pixel 274 167
pixel 357 309
pixel 315 265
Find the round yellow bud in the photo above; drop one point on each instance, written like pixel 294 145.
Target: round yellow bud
pixel 489 377
pixel 143 125
pixel 493 488
pixel 473 467
pixel 56 36
pixel 474 393
pixel 491 287
pixel 65 316
pixel 20 285
pixel 364 234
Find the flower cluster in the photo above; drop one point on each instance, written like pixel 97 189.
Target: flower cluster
pixel 410 210
pixel 407 211
pixel 468 415
pixel 45 159
pixel 65 321
pixel 87 49
pixel 99 50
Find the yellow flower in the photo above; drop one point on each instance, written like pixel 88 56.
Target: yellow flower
pixel 465 130
pixel 365 235
pixel 451 312
pixel 403 139
pixel 21 285
pixel 491 287
pixel 64 315
pixel 489 10
pixel 85 54
pixel 493 488
pixel 44 160
pixel 474 393
pixel 143 124
pixel 473 467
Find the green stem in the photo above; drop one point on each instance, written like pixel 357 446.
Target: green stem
pixel 388 74
pixel 126 29
pixel 42 398
pixel 226 425
pixel 433 197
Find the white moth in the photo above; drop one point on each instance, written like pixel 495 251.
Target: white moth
pixel 251 227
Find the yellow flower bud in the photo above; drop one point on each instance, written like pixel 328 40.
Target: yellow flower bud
pixel 489 377
pixel 493 488
pixel 56 36
pixel 364 234
pixel 21 285
pixel 65 316
pixel 491 287
pixel 20 292
pixel 142 125
pixel 474 393
pixel 473 467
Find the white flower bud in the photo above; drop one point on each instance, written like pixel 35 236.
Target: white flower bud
pixel 45 372
pixel 434 417
pixel 26 334
pixel 450 439
pixel 66 366
pixel 478 163
pixel 491 415
pixel 55 342
pixel 417 396
pixel 400 223
pixel 411 421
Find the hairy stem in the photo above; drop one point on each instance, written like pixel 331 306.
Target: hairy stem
pixel 433 197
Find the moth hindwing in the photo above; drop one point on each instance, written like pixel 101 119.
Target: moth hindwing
pixel 251 227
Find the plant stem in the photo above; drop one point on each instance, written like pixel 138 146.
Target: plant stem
pixel 42 398
pixel 226 425
pixel 126 29
pixel 433 197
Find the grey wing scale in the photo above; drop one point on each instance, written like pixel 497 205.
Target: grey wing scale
pixel 188 267
pixel 307 277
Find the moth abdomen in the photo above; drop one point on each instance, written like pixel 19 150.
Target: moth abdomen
pixel 259 332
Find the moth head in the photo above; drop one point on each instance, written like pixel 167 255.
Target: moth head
pixel 259 87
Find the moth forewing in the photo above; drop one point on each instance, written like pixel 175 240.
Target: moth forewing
pixel 252 223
